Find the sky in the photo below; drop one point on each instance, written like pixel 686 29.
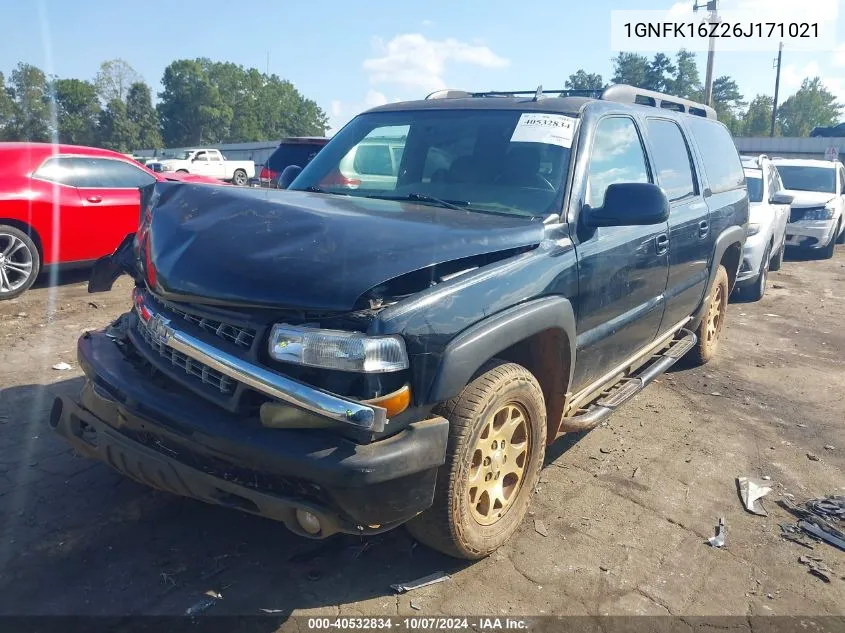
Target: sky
pixel 348 56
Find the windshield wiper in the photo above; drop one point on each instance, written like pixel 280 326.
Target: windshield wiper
pixel 459 205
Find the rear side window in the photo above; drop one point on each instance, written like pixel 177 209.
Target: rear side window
pixel 721 160
pixel 299 154
pixel 671 159
pixel 93 173
pixel 617 157
pixel 60 169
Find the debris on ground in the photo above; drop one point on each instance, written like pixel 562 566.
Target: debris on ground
pixel 829 447
pixel 605 451
pixel 94 305
pixel 751 492
pixel 61 366
pixel 715 393
pixel 812 457
pixel 425 581
pixel 415 606
pixel 816 567
pixel 718 540
pixel 540 528
pixel 795 535
pixel 202 605
pixel 831 507
pixel 766 478
pixel 821 519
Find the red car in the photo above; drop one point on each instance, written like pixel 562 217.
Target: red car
pixel 63 204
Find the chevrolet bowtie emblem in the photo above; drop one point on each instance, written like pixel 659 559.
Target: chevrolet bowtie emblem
pixel 160 328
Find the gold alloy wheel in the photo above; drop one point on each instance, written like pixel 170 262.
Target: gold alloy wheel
pixel 714 318
pixel 498 464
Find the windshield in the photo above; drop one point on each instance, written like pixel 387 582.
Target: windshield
pixel 802 178
pixel 467 158
pixel 755 188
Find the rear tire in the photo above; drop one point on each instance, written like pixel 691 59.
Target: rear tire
pixel 777 260
pixel 20 262
pixel 181 171
pixel 709 330
pixel 497 442
pixel 239 178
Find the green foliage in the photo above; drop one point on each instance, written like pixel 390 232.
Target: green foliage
pixel 6 110
pixel 631 69
pixel 77 111
pixel 583 80
pixel 686 82
pixel 30 95
pixel 658 75
pixel 117 131
pixel 114 79
pixel 728 103
pixel 140 111
pixel 811 106
pixel 757 120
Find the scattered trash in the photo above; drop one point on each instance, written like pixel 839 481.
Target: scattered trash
pixel 778 286
pixel 603 568
pixel 201 606
pixel 273 611
pixel 817 519
pixel 715 393
pixel 829 447
pixel 774 316
pixel 816 567
pixel 540 528
pixel 837 540
pixel 802 426
pixel 770 596
pixel 718 540
pixel 415 606
pixel 793 534
pixel 214 594
pixel 431 579
pixel 766 478
pixel 751 492
pixel 61 366
pixel 833 507
pixel 22 315
pixel 812 457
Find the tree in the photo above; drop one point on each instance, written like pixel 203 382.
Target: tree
pixel 117 131
pixel 6 109
pixel 114 79
pixel 582 80
pixel 658 75
pixel 758 118
pixel 686 82
pixel 30 93
pixel 630 68
pixel 728 103
pixel 77 110
pixel 191 108
pixel 811 106
pixel 140 111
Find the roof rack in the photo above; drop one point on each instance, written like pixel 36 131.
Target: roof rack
pixel 618 93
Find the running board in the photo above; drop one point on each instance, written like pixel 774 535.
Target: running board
pixel 591 415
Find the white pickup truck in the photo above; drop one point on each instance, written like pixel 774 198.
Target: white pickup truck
pixel 209 162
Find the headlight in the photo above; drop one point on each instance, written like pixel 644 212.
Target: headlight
pixel 818 213
pixel 334 349
pixel 167 168
pixel 752 229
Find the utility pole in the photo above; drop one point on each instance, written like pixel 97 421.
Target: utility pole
pixel 777 88
pixel 712 7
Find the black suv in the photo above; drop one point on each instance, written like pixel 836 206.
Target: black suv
pixel 296 150
pixel 348 357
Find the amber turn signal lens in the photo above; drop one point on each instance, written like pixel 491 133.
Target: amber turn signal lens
pixel 395 403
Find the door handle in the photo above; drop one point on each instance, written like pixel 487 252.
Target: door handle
pixel 703 229
pixel 94 199
pixel 662 243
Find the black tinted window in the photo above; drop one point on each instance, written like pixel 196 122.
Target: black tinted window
pixel 808 178
pixel 721 160
pixel 755 188
pixel 111 174
pixel 299 154
pixel 373 160
pixel 671 159
pixel 617 157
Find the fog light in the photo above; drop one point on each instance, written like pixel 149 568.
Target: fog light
pixel 308 521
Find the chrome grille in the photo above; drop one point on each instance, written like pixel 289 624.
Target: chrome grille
pixel 203 372
pixel 240 336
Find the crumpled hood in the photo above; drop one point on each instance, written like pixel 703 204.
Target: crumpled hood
pixel 304 250
pixel 804 199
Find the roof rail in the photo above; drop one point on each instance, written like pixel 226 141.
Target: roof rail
pixel 537 93
pixel 623 93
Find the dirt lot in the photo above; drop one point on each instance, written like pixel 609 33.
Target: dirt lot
pixel 627 508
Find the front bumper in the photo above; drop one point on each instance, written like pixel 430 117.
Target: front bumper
pixel 810 233
pixel 171 439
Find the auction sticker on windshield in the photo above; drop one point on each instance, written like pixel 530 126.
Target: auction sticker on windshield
pixel 537 127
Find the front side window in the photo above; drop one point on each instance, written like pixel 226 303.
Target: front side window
pixel 200 156
pixel 671 159
pixel 617 157
pixel 808 178
pixel 493 161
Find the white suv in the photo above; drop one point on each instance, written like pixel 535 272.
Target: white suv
pixel 766 232
pixel 816 220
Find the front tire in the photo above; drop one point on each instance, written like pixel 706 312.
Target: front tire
pixel 841 238
pixel 756 292
pixel 497 442
pixel 827 251
pixel 239 178
pixel 19 262
pixel 709 330
pixel 777 260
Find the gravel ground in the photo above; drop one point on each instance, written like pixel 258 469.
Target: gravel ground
pixel 627 508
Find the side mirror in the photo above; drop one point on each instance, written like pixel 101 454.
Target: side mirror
pixel 287 176
pixel 781 198
pixel 630 204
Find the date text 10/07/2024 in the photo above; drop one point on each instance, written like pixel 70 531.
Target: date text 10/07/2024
pixel 692 30
pixel 419 623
